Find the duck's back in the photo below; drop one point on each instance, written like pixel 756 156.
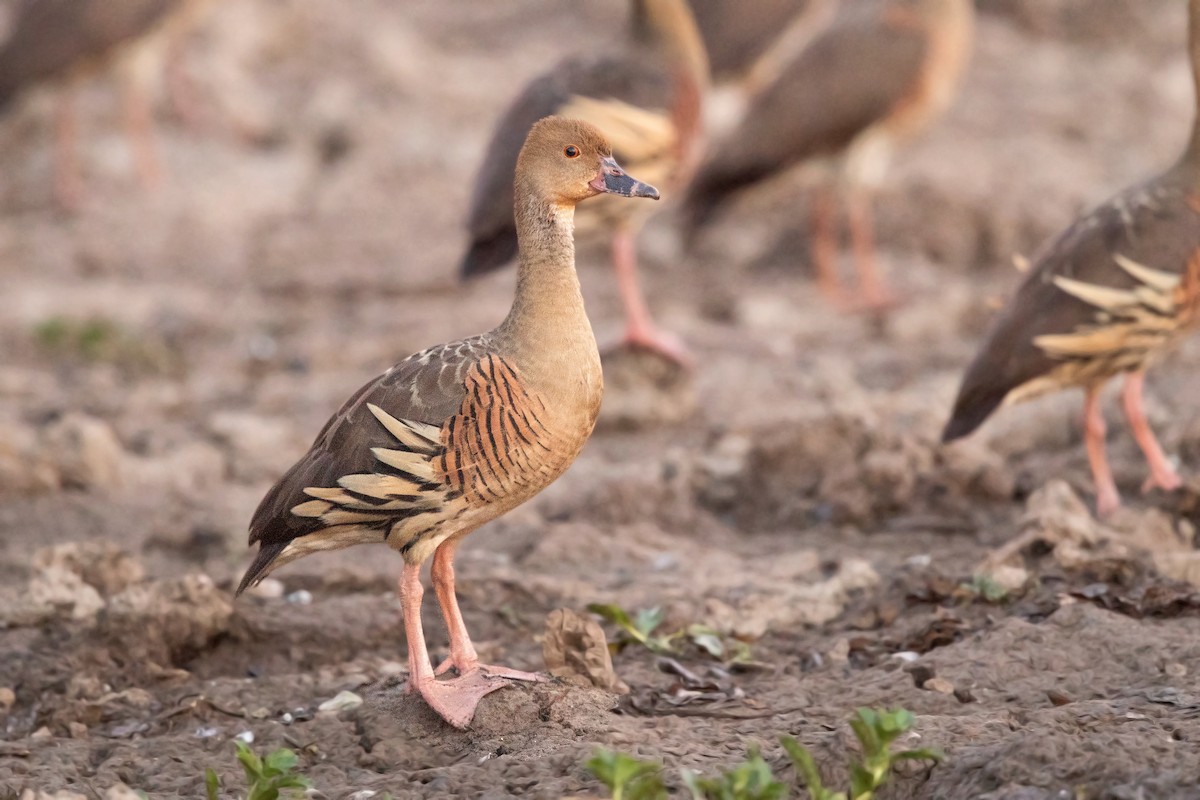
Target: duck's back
pixel 736 33
pixel 847 80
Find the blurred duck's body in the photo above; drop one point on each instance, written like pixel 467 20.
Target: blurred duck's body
pixel 873 78
pixel 737 34
pixel 647 100
pixel 1110 295
pixel 70 40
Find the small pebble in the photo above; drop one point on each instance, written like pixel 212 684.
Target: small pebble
pixel 390 668
pixel 300 597
pixel 206 733
pixel 42 733
pixel 342 701
pixel 7 698
pixel 270 588
pixel 77 730
pixel 920 560
pixel 1175 670
pixel 665 561
pixel 939 685
pixel 907 656
pixel 840 652
pixel 245 736
pixel 287 718
pixel 1059 698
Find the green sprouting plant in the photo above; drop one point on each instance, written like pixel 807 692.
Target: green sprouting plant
pixel 750 780
pixel 637 628
pixel 985 587
pixel 100 340
pixel 268 778
pixel 718 645
pixel 641 626
pixel 626 777
pixel 875 730
pixel 629 778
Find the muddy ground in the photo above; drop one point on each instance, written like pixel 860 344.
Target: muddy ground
pixel 166 354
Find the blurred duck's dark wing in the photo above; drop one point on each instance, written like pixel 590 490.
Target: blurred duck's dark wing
pixel 50 37
pixel 1100 299
pixel 736 33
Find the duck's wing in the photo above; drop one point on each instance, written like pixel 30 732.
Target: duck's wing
pixel 403 456
pixel 736 33
pixel 1100 299
pixel 50 37
pixel 609 88
pixel 852 76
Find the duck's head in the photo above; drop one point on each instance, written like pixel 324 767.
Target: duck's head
pixel 566 161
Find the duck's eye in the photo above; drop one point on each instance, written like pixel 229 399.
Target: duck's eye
pixel 571 151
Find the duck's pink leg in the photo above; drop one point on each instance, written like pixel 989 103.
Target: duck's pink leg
pixel 1162 474
pixel 876 296
pixel 823 244
pixel 139 126
pixel 640 330
pixel 454 700
pixel 1108 499
pixel 463 657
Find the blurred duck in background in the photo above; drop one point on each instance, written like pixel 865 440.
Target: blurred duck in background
pixel 71 40
pixel 647 98
pixel 738 34
pixel 1108 296
pixel 876 75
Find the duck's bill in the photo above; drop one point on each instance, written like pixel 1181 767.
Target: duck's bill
pixel 613 180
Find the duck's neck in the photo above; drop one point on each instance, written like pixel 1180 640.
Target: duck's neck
pixel 547 323
pixel 668 25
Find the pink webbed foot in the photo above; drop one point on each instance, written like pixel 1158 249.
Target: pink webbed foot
pixel 455 700
pixel 665 344
pixel 876 302
pixel 1107 501
pixel 1166 479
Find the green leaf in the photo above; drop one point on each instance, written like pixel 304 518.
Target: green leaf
pixel 626 777
pixel 862 782
pixel 282 761
pixel 648 619
pixel 691 780
pixel 707 639
pixel 212 785
pixel 619 617
pixel 750 780
pixel 806 767
pixel 638 628
pixel 251 763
